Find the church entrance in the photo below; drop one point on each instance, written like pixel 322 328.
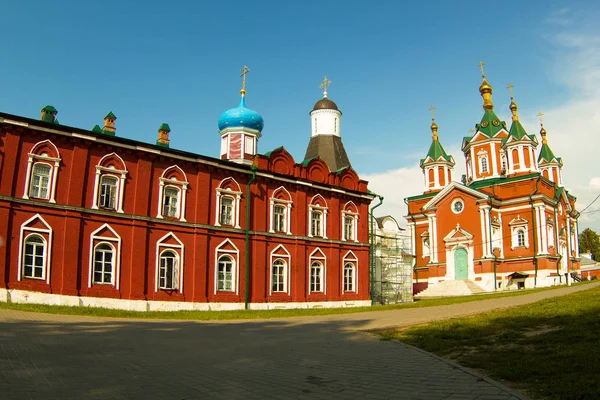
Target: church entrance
pixel 461 264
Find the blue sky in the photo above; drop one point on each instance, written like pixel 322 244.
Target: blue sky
pixel 179 62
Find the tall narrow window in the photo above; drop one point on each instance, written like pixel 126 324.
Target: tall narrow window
pixel 103 263
pixel 349 277
pixel 225 274
pixel 279 223
pixel 278 276
pixel 169 268
pixel 503 161
pixel 316 223
pixel 349 227
pixel 550 235
pixel 316 277
pixel 108 192
pixel 521 238
pixel 40 179
pixel 226 213
pixel 484 165
pixel 171 202
pixel 34 257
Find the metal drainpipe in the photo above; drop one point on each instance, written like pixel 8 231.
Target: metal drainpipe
pixel 372 240
pixel 247 279
pixel 556 242
pixel 491 248
pixel 533 225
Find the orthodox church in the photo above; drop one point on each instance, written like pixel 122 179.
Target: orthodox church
pixel 509 224
pixel 90 218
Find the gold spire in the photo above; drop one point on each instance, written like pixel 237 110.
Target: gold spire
pixel 434 127
pixel 513 106
pixel 542 131
pixel 245 70
pixel 326 82
pixel 486 90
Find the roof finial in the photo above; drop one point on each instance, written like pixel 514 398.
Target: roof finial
pixel 542 131
pixel 245 70
pixel 326 82
pixel 486 90
pixel 434 127
pixel 513 106
pixel 481 64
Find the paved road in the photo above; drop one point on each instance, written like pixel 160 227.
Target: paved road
pixel 46 356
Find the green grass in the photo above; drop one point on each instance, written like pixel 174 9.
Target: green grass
pixel 252 314
pixel 548 350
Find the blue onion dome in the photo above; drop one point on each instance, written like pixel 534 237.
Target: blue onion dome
pixel 241 116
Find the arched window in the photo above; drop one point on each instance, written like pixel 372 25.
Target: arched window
pixel 550 235
pixel 316 277
pixel 225 274
pixel 172 190
pixel 349 277
pixel 316 223
pixel 169 270
pixel 34 257
pixel 484 165
pixel 171 202
pixel 40 181
pixel 520 238
pixel 108 192
pixel 317 214
pixel 226 210
pixel 103 263
pixel 278 276
pixel 279 222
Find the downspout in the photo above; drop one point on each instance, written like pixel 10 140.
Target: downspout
pixel 247 277
pixel 533 225
pixel 414 245
pixel 372 246
pixel 556 242
pixel 491 240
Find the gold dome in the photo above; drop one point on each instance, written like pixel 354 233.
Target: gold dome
pixel 485 87
pixel 513 109
pixel 434 129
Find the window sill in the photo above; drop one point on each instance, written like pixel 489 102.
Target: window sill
pixel 35 278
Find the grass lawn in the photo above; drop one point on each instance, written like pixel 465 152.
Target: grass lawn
pixel 547 350
pixel 254 314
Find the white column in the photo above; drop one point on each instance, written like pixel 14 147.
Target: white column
pixel 53 184
pixel 434 241
pixel 494 159
pixel 413 238
pixel 431 241
pixel 576 238
pixel 325 224
pixel 539 229
pixel 522 157
pixel 237 211
pixel 28 178
pixel 511 162
pixel 271 204
pixel 161 188
pixel 473 170
pixel 544 230
pixel 288 218
pixel 121 192
pixel 483 232
pixel 96 183
pixel 182 216
pixel 533 160
pixel 488 227
pixel 436 177
pixel 501 243
pixel 217 205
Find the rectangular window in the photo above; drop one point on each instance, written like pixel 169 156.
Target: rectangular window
pixel 225 274
pixel 349 227
pixel 316 277
pixel 33 265
pixel 226 217
pixel 168 269
pixel 278 277
pixel 108 192
pixel 348 278
pixel 171 202
pixel 40 181
pixel 279 218
pixel 249 145
pixel 316 218
pixel 103 264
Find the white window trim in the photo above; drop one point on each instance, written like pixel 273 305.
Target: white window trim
pixel 480 157
pixel 515 225
pixel 53 163
pixel 95 240
pixel 25 232
pixel 318 255
pixel 288 210
pixel 354 215
pixel 350 258
pixel 459 200
pixel 161 246
pixel 425 235
pixel 117 173
pixel 235 255
pixel 285 257
pixel 181 185
pixel 237 195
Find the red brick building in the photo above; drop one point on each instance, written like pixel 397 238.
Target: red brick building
pixel 509 224
pixel 92 218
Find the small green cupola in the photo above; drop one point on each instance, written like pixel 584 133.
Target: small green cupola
pixel 516 129
pixel 109 124
pixel 49 114
pixel 437 165
pixel 550 166
pixel 163 135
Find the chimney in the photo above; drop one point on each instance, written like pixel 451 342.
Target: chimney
pixel 48 114
pixel 163 135
pixel 109 124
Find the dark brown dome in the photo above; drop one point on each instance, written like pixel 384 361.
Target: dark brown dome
pixel 325 104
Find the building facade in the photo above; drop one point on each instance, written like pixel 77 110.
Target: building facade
pixel 509 224
pixel 91 218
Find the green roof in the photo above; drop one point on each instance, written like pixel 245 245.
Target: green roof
pixel 436 150
pixel 421 196
pixel 308 160
pixel 50 109
pixel 546 154
pixel 268 153
pixel 110 115
pixel 164 127
pixel 493 181
pixel 517 131
pixel 490 123
pixel 97 129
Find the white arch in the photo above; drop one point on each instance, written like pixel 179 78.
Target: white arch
pixel 117 156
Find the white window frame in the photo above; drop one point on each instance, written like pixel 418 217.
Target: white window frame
pixel 350 259
pixel 551 234
pixel 236 195
pixel 315 266
pixel 482 157
pixel 111 170
pixel 274 201
pixel 34 256
pixel 221 251
pixel 425 245
pixel 172 183
pixel 46 234
pixel 226 258
pixel 53 162
pixel 168 254
pixel 163 245
pixel 101 185
pixel 313 206
pixel 317 256
pixel 353 215
pixel 516 225
pixel 113 263
pixel 280 253
pixel 115 241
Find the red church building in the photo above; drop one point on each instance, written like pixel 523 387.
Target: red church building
pixel 510 224
pixel 90 218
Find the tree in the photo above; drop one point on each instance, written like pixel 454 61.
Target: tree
pixel 589 241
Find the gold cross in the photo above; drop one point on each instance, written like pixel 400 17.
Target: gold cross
pixel 541 121
pixel 471 130
pixel 481 64
pixel 510 87
pixel 326 82
pixel 432 108
pixel 245 70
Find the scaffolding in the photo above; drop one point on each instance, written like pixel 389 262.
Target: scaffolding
pixel 392 277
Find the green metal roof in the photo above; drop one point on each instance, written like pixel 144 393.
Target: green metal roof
pixel 546 154
pixel 517 131
pixel 436 150
pixel 421 196
pixel 268 153
pixel 97 128
pixel 110 115
pixel 490 123
pixel 164 127
pixel 50 109
pixel 308 160
pixel 494 181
